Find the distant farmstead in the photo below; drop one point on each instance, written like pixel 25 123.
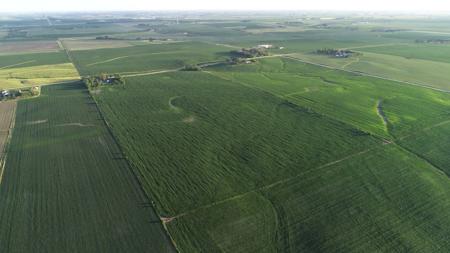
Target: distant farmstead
pixel 4 93
pixel 266 46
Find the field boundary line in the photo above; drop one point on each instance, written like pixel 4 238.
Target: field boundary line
pixel 359 73
pixel 135 172
pixel 445 122
pixel 17 64
pixel 128 56
pixel 106 61
pixel 153 72
pixel 265 187
pixel 385 143
pixel 378 45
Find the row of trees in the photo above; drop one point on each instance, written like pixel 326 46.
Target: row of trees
pixel 434 41
pixel 334 52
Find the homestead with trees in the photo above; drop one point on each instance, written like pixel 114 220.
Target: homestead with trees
pixel 337 53
pixel 103 79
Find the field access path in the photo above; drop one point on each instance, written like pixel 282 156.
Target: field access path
pixel 293 57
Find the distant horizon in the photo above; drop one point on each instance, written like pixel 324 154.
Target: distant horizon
pixel 387 6
pixel 262 11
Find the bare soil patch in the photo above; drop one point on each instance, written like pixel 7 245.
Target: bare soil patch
pixel 7 117
pixel 189 120
pixel 74 45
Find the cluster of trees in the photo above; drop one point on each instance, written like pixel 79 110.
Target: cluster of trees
pixel 434 41
pixel 250 52
pixel 387 30
pixel 106 37
pixel 192 67
pixel 334 52
pixel 245 55
pixel 103 79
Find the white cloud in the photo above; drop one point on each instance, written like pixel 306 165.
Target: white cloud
pixel 83 5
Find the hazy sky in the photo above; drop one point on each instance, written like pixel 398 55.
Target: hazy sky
pixel 85 5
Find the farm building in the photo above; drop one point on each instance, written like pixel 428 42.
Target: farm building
pixel 4 93
pixel 342 54
pixel 266 46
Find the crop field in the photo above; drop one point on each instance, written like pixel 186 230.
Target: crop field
pixel 146 58
pixel 417 71
pixel 30 60
pixel 84 44
pixel 189 144
pixel 431 52
pixel 235 144
pixel 66 186
pixel 195 147
pixel 28 47
pixel 332 209
pixel 37 75
pixel 432 144
pixel 346 97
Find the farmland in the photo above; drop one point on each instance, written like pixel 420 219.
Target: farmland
pixel 202 148
pixel 43 74
pixel 28 47
pixel 346 97
pixel 236 140
pixel 147 57
pixel 417 71
pixel 65 180
pixel 85 44
pixel 7 115
pixel 30 60
pixel 222 216
pixel 26 70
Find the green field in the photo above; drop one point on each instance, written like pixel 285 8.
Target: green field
pixel 344 96
pixel 66 187
pixel 382 201
pixel 416 71
pixel 146 58
pixel 290 152
pixel 234 166
pixel 194 146
pixel 30 60
pixel 17 77
pixel 432 52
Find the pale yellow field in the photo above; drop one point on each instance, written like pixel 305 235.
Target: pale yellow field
pixel 96 44
pixel 37 75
